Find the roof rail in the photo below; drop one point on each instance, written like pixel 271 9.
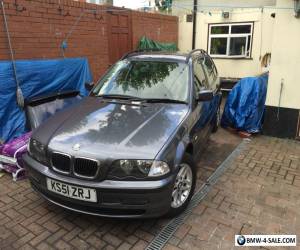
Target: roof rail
pixel 138 51
pixel 202 52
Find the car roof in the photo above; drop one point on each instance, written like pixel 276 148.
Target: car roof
pixel 164 55
pixel 160 55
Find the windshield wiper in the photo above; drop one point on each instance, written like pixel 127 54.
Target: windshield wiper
pixel 163 100
pixel 139 99
pixel 122 97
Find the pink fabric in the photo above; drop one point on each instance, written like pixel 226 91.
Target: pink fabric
pixel 15 149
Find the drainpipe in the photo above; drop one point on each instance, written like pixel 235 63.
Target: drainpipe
pixel 195 8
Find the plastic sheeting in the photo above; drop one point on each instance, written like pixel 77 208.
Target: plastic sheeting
pixel 11 156
pixel 36 77
pixel 245 105
pixel 38 111
pixel 146 43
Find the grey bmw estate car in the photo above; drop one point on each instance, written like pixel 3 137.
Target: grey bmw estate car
pixel 128 149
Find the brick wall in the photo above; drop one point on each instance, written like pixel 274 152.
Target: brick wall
pixel 38 27
pixel 38 30
pixel 158 27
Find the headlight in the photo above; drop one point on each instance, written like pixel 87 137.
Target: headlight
pixel 37 150
pixel 139 168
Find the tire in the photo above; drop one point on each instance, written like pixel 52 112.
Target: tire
pixel 216 121
pixel 187 163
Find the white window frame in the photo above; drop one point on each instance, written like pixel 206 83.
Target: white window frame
pixel 228 36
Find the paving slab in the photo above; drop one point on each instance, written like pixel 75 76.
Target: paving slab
pixel 258 194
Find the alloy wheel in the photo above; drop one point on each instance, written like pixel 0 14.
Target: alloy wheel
pixel 182 186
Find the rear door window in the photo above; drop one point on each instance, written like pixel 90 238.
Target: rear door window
pixel 210 70
pixel 199 76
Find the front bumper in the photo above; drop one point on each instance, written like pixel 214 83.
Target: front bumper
pixel 127 199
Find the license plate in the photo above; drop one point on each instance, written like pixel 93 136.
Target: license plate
pixel 74 192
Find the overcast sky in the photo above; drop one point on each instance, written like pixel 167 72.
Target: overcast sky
pixel 132 4
pixel 188 4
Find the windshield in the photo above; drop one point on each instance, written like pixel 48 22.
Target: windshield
pixel 146 79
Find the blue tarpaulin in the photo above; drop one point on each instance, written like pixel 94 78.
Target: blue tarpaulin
pixel 245 105
pixel 36 77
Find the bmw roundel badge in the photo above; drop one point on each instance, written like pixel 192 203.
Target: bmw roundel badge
pixel 241 240
pixel 76 147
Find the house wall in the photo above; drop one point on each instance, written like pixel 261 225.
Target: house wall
pixel 185 33
pixel 261 43
pixel 38 28
pixel 285 58
pixel 282 113
pixel 180 7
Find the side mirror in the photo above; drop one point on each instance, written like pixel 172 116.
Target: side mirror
pixel 205 95
pixel 89 86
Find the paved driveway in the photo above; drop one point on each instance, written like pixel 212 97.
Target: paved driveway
pixel 259 193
